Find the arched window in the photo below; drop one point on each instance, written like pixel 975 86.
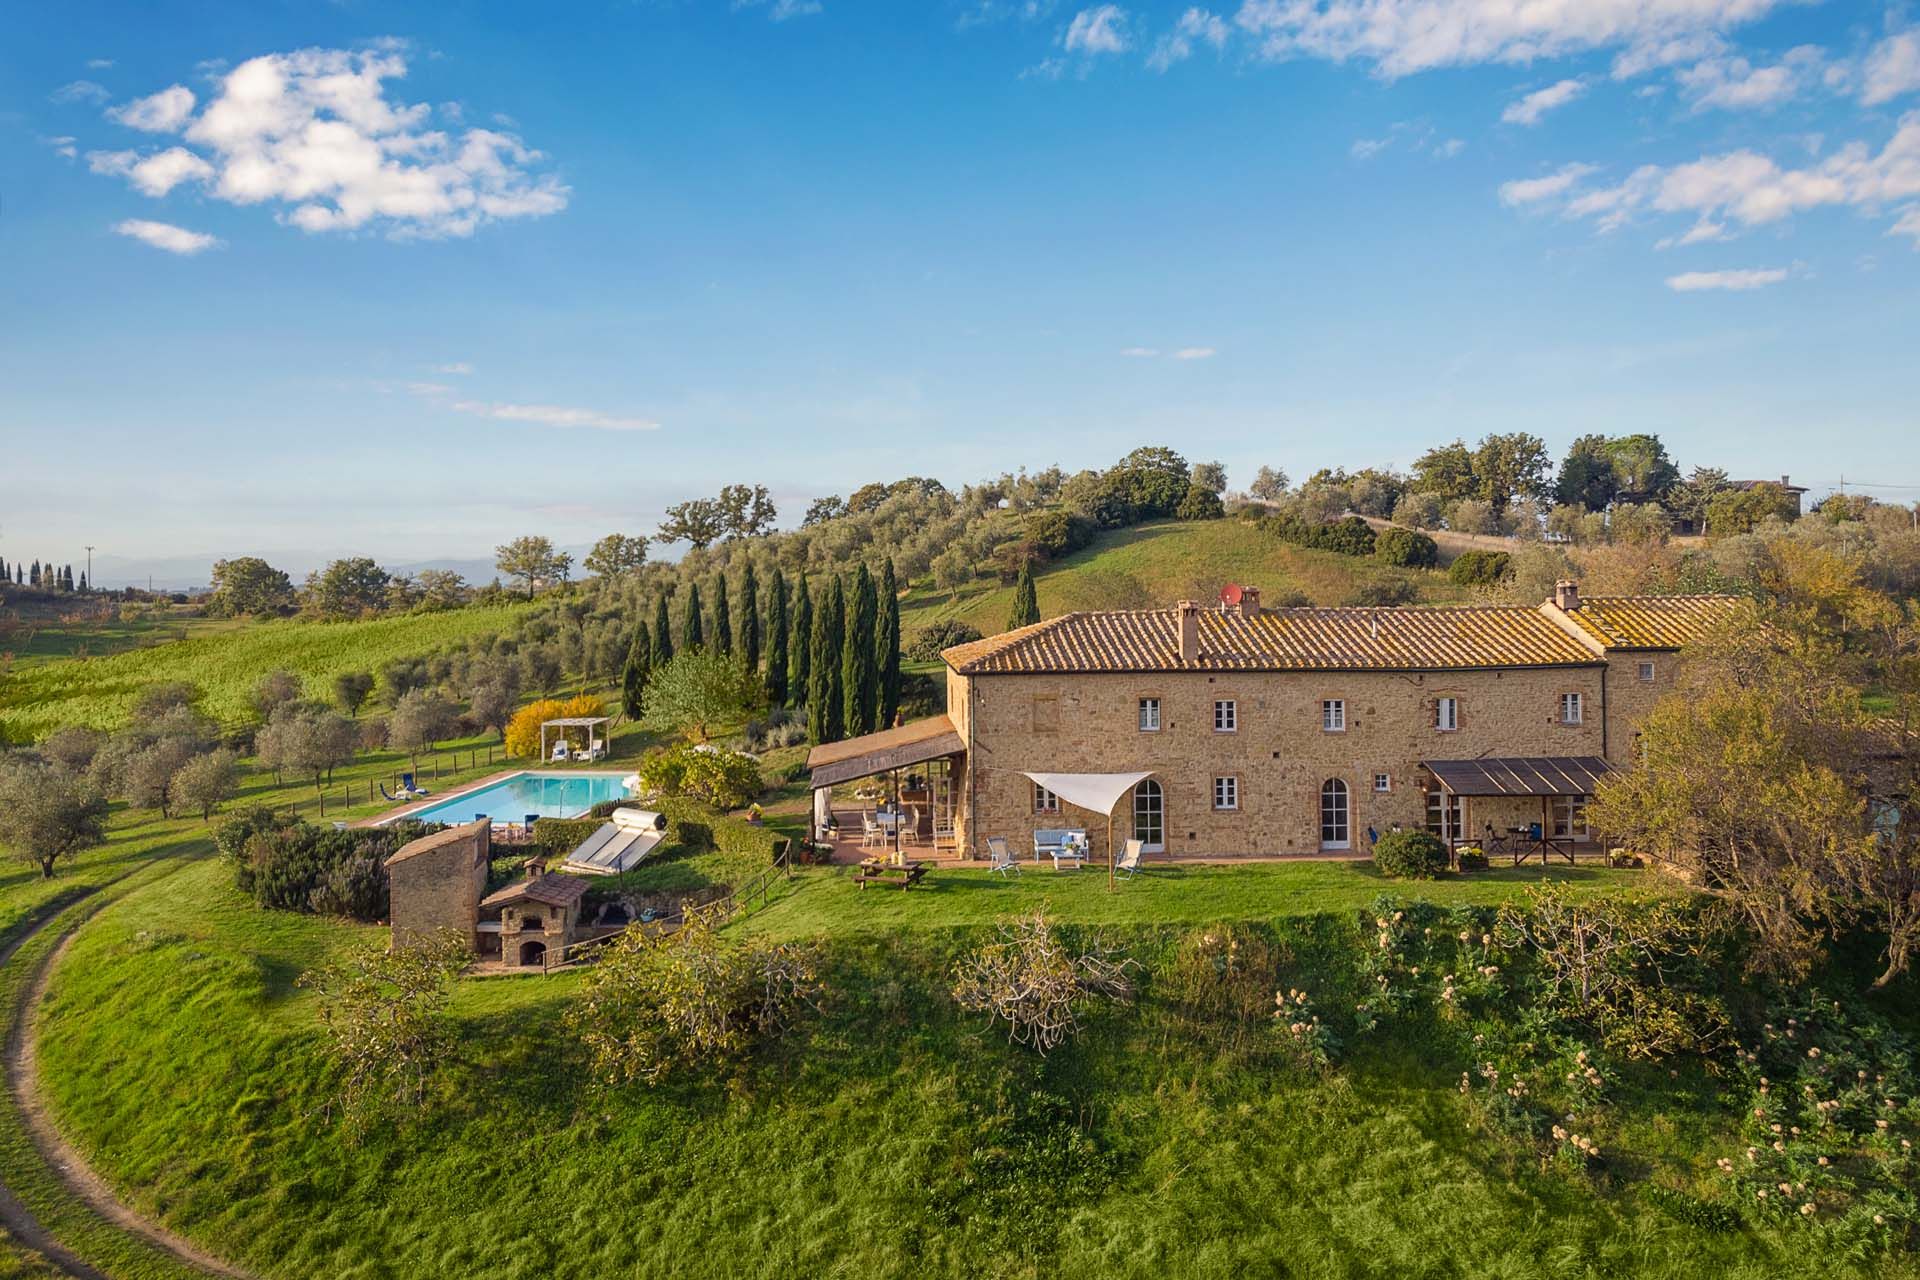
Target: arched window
pixel 1150 816
pixel 1335 828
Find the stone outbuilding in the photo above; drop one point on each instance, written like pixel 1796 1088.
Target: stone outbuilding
pixel 437 882
pixel 538 916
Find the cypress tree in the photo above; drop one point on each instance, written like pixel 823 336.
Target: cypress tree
pixel 836 637
pixel 83 582
pixel 33 578
pixel 777 640
pixel 823 702
pixel 633 681
pixel 1026 605
pixel 800 643
pixel 4 571
pixel 749 621
pixel 722 616
pixel 859 678
pixel 887 647
pixel 690 638
pixel 662 633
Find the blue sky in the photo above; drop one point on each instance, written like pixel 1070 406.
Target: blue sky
pixel 307 278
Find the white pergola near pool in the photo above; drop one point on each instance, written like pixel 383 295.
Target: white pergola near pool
pixel 595 746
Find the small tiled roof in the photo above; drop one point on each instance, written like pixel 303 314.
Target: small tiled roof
pixel 832 763
pixel 1357 639
pixel 1651 622
pixel 436 840
pixel 548 888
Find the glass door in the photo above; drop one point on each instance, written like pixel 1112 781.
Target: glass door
pixel 1150 816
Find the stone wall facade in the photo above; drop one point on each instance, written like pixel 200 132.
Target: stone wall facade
pixel 437 883
pixel 1279 751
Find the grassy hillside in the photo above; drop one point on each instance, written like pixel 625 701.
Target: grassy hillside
pixel 892 1136
pixel 1152 565
pixel 226 663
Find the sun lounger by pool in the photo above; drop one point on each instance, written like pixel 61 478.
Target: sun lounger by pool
pixel 619 845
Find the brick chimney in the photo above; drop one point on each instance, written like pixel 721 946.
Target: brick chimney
pixel 1186 617
pixel 1249 602
pixel 1566 594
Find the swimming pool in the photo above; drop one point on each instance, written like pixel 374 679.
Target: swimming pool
pixel 551 795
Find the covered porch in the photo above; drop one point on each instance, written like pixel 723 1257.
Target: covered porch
pixel 1519 807
pixel 895 792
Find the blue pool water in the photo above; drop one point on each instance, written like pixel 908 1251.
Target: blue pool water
pixel 551 795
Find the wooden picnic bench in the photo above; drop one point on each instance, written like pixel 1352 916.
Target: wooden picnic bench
pixel 875 871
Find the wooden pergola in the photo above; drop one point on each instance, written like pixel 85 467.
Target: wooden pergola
pixel 570 722
pixel 1548 777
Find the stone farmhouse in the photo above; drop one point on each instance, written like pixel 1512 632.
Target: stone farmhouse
pixel 1289 731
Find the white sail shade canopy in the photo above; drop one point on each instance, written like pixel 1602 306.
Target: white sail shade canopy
pixel 1096 791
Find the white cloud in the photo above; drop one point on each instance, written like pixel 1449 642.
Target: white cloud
pixel 1531 109
pixel 153 175
pixel 1908 224
pixel 99 64
pixel 1754 190
pixel 163 112
pixel 1450 148
pixel 1195 353
pixel 1199 25
pixel 1736 281
pixel 1735 84
pixel 79 91
pixel 1140 353
pixel 1534 190
pixel 1400 37
pixel 1893 68
pixel 315 133
pixel 1045 69
pixel 1701 232
pixel 459 368
pixel 782 10
pixel 164 235
pixel 551 415
pixel 63 146
pixel 1368 148
pixel 1098 30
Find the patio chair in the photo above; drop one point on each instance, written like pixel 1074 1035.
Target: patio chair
pixel 872 834
pixel 910 830
pixel 560 751
pixel 1130 858
pixel 1003 859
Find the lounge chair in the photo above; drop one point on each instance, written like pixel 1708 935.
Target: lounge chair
pixel 1130 858
pixel 1003 859
pixel 596 750
pixel 560 752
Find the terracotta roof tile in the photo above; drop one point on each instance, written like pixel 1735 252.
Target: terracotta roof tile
pixel 1651 622
pixel 1357 639
pixel 553 890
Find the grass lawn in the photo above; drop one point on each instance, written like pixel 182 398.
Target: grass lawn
pixel 226 663
pixel 825 901
pixel 1152 565
pixel 891 1137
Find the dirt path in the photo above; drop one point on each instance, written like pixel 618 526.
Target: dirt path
pixel 58 1155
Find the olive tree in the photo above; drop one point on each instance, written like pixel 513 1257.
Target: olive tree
pixel 48 813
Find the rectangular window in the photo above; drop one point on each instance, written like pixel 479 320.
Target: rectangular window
pixel 1333 715
pixel 1382 782
pixel 1570 817
pixel 1569 708
pixel 1226 793
pixel 1446 714
pixel 1149 715
pixel 1226 715
pixel 1646 673
pixel 1044 801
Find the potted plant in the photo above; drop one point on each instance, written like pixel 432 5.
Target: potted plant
pixel 1472 858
